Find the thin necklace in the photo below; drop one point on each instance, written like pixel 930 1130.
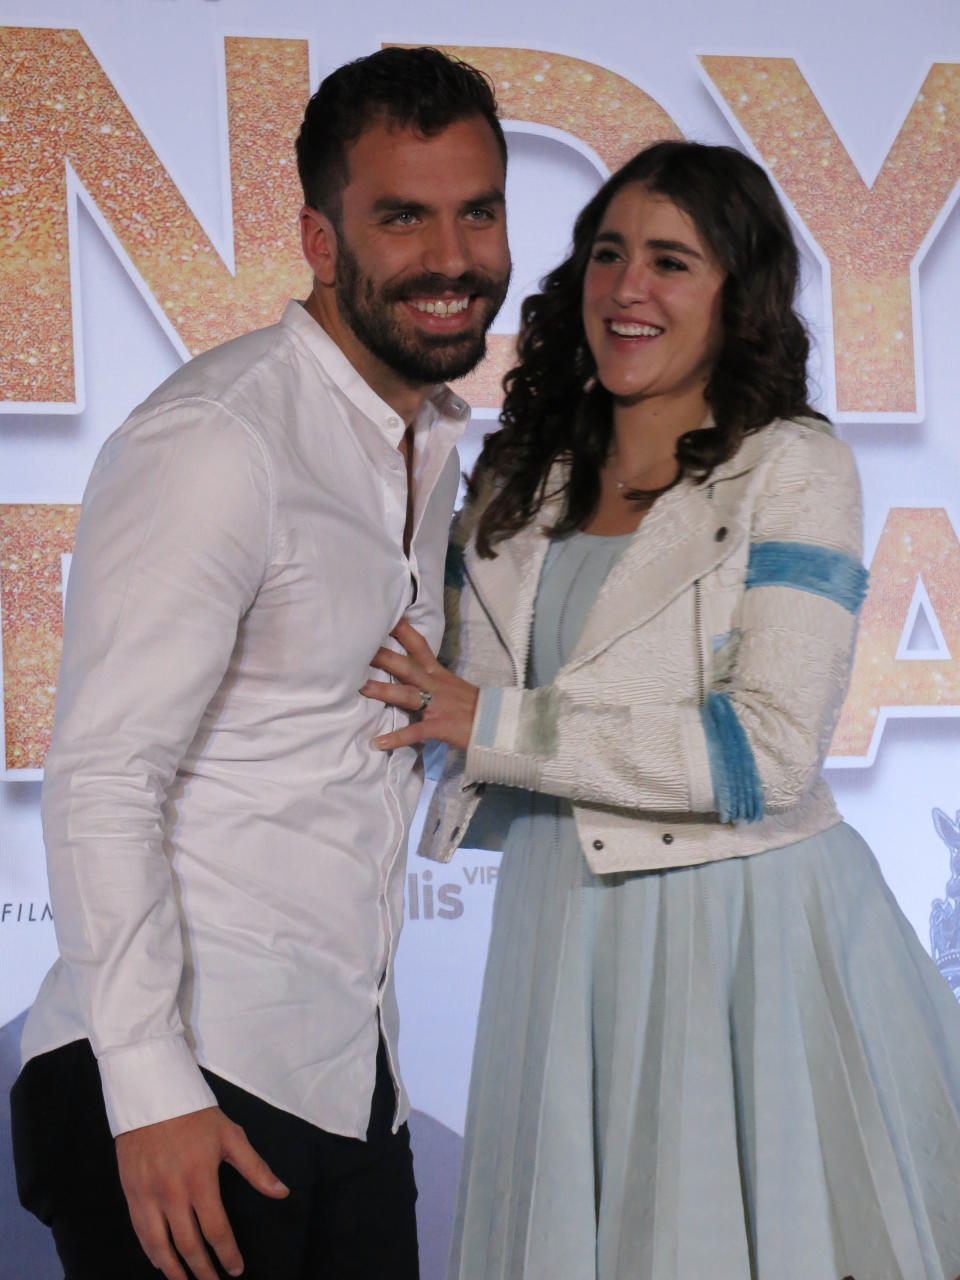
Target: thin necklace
pixel 623 484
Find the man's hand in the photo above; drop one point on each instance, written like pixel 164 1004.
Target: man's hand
pixel 170 1176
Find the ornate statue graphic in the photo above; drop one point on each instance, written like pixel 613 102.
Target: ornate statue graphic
pixel 945 912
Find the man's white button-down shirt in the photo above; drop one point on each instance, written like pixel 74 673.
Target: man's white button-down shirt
pixel 225 846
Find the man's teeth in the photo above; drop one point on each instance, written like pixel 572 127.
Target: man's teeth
pixel 624 330
pixel 441 308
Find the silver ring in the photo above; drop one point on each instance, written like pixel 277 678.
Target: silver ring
pixel 426 697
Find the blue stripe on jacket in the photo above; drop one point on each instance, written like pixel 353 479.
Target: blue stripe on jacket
pixel 820 570
pixel 737 790
pixel 453 571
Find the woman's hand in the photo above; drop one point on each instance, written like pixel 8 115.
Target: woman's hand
pixel 446 715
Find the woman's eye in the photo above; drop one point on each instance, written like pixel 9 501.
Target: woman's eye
pixel 669 264
pixel 604 254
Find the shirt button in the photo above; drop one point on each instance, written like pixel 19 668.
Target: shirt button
pixel 667 838
pixel 394 422
pixel 720 534
pixel 598 844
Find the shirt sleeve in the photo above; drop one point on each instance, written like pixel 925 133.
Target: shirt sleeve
pixel 172 546
pixel 757 742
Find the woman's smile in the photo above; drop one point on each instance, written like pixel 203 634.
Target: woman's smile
pixel 651 300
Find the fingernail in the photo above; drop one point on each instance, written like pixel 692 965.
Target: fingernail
pixel 378 743
pixel 235 1271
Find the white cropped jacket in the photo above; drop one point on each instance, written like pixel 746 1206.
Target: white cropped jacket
pixel 693 718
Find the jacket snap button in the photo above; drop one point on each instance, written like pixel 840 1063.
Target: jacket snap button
pixel 598 844
pixel 667 838
pixel 720 534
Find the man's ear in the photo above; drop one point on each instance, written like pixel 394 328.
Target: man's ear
pixel 319 240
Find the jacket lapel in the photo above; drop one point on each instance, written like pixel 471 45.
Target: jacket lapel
pixel 506 588
pixel 507 585
pixel 678 542
pixel 689 531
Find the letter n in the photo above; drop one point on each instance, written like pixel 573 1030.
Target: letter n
pixel 65 133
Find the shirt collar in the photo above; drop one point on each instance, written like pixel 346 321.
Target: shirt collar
pixel 441 404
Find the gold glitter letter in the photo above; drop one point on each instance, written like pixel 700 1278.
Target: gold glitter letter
pixel 917 543
pixel 32 540
pixel 59 109
pixel 871 236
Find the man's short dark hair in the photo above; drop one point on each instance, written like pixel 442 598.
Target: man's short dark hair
pixel 419 89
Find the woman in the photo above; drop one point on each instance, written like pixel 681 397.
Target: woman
pixel 709 1043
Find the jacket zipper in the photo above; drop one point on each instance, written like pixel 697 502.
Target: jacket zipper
pixel 698 641
pixel 697 628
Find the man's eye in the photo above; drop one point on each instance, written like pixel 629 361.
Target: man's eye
pixel 402 218
pixel 480 214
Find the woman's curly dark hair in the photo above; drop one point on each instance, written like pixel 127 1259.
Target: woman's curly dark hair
pixel 554 409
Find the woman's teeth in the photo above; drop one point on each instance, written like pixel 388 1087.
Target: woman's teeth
pixel 624 330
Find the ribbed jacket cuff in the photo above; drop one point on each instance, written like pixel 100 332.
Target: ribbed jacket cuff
pixel 492 755
pixel 152 1081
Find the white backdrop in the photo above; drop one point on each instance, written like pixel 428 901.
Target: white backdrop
pixel 124 211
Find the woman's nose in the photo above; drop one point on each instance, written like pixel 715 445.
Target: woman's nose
pixel 633 284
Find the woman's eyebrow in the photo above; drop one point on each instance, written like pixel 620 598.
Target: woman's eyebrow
pixel 676 246
pixel 668 246
pixel 610 237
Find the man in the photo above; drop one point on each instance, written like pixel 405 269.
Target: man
pixel 225 844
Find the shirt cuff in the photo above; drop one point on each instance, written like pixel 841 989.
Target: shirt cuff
pixel 153 1081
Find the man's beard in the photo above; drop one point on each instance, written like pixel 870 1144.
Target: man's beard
pixel 417 356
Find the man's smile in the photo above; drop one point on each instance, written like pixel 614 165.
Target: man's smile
pixel 440 306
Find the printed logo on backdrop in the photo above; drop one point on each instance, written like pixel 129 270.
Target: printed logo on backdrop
pixel 69 138
pixel 427 900
pixel 14 913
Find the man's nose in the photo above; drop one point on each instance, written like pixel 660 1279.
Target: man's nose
pixel 445 251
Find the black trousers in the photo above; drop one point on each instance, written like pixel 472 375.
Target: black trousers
pixel 349 1216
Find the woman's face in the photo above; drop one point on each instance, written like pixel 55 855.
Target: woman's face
pixel 651 301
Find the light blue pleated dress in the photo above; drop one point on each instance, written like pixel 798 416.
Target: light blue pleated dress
pixel 748 1070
